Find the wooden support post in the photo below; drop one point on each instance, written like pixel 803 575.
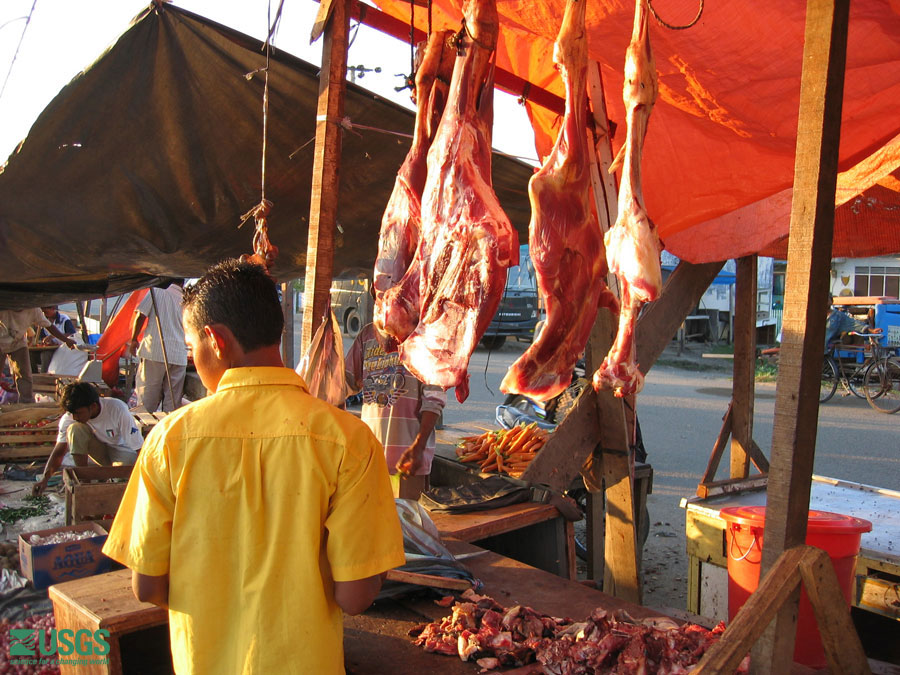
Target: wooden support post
pixel 79 307
pixel 807 283
pixel 781 583
pixel 326 160
pixel 660 319
pixel 843 649
pixel 287 338
pixel 719 446
pixel 621 575
pixel 780 588
pixel 743 388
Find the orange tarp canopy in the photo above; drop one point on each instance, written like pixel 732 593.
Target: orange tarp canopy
pixel 719 154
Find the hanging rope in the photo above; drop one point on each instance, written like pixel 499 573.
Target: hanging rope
pixel 670 26
pixel 412 39
pixel 264 251
pixel 18 46
pixel 429 18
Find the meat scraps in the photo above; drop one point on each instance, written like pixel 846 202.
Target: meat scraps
pixel 565 240
pixel 396 279
pixel 467 241
pixel 481 630
pixel 632 244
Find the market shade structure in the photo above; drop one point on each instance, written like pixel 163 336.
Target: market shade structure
pixel 144 164
pixel 721 141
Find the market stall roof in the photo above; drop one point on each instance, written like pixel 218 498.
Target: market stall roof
pixel 144 164
pixel 719 155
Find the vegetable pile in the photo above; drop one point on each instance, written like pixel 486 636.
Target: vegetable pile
pixel 34 506
pixel 508 451
pixel 41 622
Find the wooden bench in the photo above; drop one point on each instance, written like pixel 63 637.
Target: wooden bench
pixel 106 601
pixel 533 533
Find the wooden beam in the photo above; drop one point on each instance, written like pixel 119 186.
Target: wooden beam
pixel 560 460
pixel 744 381
pixel 287 338
pixel 840 640
pixel 807 283
pixel 718 448
pixel 758 458
pixel 621 574
pixel 326 161
pixel 660 319
pixel 781 583
pixel 731 485
pixel 503 79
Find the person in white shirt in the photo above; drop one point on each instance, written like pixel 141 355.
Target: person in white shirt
pixel 14 325
pixel 63 323
pixel 101 429
pixel 160 356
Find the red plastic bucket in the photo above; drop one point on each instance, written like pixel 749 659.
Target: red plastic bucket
pixel 835 534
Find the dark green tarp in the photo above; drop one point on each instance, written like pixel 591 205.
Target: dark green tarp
pixel 144 164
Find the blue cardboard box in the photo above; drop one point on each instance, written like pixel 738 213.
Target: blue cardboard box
pixel 48 564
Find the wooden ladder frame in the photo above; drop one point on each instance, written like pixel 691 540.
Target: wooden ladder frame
pixel 812 568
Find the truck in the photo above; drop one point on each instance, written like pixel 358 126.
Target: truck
pixel 352 301
pixel 518 313
pixel 517 316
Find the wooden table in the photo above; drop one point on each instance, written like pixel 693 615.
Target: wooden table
pixel 375 642
pixel 528 532
pixel 106 601
pixel 877 586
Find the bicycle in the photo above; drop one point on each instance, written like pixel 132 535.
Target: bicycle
pixel 876 378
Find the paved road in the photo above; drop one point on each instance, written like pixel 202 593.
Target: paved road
pixel 681 414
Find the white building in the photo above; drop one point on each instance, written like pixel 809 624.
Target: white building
pixel 877 277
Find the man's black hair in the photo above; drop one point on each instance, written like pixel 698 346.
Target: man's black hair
pixel 240 296
pixel 77 395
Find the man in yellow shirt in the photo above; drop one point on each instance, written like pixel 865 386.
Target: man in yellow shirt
pixel 258 513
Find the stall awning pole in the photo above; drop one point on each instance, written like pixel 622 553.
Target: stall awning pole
pixel 744 317
pixel 807 282
pixel 326 161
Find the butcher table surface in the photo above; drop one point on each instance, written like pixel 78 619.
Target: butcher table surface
pixel 377 641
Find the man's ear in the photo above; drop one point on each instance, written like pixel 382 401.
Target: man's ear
pixel 217 341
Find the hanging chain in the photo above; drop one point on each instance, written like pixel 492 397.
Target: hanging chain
pixel 670 26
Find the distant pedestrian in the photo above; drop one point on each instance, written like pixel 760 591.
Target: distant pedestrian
pixel 14 326
pixel 163 366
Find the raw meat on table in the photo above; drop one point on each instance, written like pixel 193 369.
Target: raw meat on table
pixel 481 630
pixel 396 277
pixel 565 240
pixel 632 244
pixel 467 241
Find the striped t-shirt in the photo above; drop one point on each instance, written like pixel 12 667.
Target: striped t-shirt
pixel 393 399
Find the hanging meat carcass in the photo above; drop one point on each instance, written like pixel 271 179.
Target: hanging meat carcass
pixel 467 241
pixel 632 244
pixel 565 240
pixel 396 277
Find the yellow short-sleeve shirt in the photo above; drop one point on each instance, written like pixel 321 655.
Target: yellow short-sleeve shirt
pixel 254 500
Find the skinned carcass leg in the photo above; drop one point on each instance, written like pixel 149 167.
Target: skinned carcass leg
pixel 565 240
pixel 632 244
pixel 467 240
pixel 396 276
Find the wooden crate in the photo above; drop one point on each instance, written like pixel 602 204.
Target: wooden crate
pixel 93 492
pixel 36 443
pixel 146 421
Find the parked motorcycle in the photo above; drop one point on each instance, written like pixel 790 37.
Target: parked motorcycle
pixel 519 409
